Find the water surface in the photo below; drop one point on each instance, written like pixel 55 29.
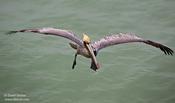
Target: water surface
pixel 39 66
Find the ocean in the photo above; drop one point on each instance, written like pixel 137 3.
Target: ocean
pixel 36 68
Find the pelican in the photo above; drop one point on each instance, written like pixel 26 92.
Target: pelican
pixel 90 49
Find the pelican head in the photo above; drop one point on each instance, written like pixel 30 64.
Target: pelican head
pixel 86 39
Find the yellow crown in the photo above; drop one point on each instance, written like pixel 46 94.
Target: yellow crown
pixel 86 38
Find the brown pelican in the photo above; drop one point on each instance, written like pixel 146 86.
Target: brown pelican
pixel 90 49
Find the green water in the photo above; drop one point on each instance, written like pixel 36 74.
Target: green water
pixel 39 67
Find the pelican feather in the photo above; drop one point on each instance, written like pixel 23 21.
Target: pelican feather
pixel 90 49
pixel 128 38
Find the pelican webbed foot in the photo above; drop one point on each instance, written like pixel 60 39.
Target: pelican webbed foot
pixel 74 62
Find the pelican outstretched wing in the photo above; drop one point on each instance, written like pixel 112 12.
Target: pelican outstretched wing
pixel 53 31
pixel 127 38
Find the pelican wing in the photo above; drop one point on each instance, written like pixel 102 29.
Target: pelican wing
pixel 53 31
pixel 127 38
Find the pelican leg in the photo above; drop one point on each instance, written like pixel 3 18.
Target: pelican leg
pixel 74 62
